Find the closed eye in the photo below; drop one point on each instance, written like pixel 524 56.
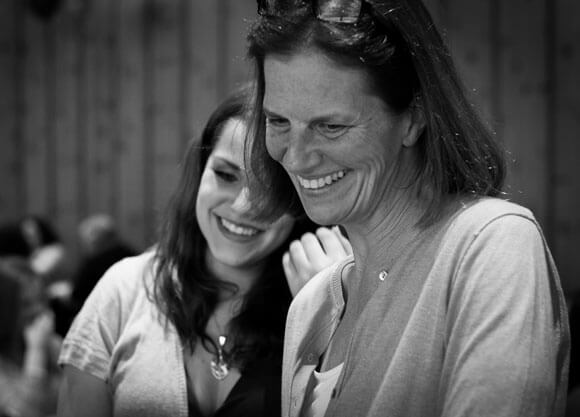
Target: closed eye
pixel 278 123
pixel 225 176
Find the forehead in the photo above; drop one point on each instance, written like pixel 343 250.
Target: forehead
pixel 310 80
pixel 230 143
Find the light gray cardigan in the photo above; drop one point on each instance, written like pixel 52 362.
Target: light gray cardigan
pixel 471 321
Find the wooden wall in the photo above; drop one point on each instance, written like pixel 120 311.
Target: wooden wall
pixel 97 103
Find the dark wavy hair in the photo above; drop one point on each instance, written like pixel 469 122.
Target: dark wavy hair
pixel 186 291
pixel 397 44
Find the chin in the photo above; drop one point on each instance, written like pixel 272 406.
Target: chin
pixel 237 261
pixel 321 217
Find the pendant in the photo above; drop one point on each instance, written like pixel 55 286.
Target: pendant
pixel 383 275
pixel 219 367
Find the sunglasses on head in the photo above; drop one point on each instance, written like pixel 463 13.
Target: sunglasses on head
pixel 332 11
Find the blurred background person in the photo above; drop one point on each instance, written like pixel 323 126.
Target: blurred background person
pixel 29 377
pixel 35 238
pixel 101 246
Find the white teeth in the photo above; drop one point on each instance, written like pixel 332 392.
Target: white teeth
pixel 239 230
pixel 322 181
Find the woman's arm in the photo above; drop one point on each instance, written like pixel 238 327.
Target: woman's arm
pixel 507 343
pixel 82 394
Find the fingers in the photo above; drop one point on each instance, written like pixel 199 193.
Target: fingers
pixel 304 259
pixel 311 254
pixel 298 256
pixel 292 276
pixel 332 244
pixel 313 250
pixel 343 240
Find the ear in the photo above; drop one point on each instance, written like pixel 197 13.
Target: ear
pixel 416 124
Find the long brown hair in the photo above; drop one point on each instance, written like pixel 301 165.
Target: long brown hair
pixel 186 291
pixel 398 45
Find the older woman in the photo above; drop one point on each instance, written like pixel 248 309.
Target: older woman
pixel 451 304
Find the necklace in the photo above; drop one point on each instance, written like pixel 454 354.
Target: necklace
pixel 219 367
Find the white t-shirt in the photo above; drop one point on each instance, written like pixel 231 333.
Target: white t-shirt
pixel 318 395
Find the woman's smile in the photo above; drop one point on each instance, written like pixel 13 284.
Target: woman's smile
pixel 321 182
pixel 235 229
pixel 224 209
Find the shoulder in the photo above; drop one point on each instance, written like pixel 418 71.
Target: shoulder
pixel 498 244
pixel 119 297
pixel 119 291
pixel 129 273
pixel 487 240
pixel 479 213
pixel 490 219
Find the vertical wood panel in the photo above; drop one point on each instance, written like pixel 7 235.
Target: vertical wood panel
pixel 50 127
pixel 100 115
pixel 114 79
pixel 82 128
pixel 9 157
pixel 202 47
pixel 469 29
pixel 166 104
pixel 566 140
pixel 65 123
pixel 131 113
pixel 98 106
pixel 35 115
pixel 148 121
pixel 239 15
pixel 523 101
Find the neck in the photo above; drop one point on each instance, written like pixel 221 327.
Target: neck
pixel 378 241
pixel 244 278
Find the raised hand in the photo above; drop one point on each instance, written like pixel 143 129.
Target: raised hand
pixel 311 254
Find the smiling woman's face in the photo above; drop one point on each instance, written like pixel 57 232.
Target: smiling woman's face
pixel 334 136
pixel 223 208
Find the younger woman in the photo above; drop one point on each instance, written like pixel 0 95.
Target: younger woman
pixel 194 327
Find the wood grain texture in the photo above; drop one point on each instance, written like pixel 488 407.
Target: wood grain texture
pixel 100 101
pixel 165 104
pixel 202 50
pixel 523 101
pixel 469 29
pixel 34 117
pixel 565 141
pixel 132 170
pixel 10 154
pixel 66 119
pixel 240 14
pixel 101 107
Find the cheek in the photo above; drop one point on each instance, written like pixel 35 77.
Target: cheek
pixel 274 145
pixel 204 194
pixel 281 229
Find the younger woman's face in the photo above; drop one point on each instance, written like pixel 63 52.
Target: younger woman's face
pixel 223 208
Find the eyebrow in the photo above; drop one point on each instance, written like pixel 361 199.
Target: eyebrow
pixel 332 116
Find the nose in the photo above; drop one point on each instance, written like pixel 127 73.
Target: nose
pixel 298 151
pixel 242 201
